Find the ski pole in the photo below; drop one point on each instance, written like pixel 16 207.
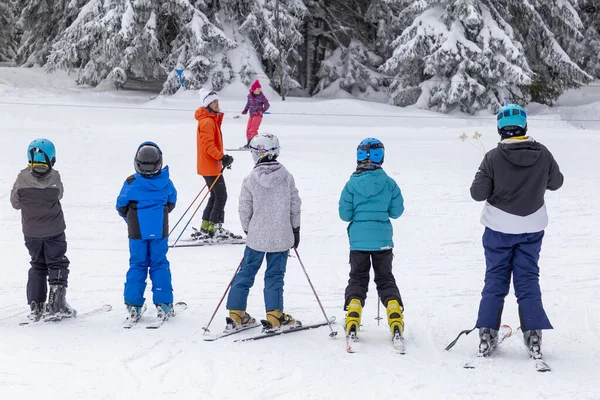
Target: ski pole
pixel 205 328
pixel 188 209
pixel 333 333
pixel 378 306
pixel 197 208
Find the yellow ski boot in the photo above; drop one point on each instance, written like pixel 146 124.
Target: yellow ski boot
pixel 239 319
pixel 353 314
pixel 277 319
pixel 395 317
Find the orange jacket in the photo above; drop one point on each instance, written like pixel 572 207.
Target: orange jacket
pixel 209 142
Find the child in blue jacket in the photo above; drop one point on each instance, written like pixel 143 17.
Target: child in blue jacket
pixel 368 201
pixel 144 202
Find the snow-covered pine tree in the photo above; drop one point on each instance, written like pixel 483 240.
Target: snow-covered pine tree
pixel 97 42
pixel 336 32
pixel 547 28
pixel 237 10
pixel 385 17
pixel 41 22
pixel 7 30
pixel 589 49
pixel 193 43
pixel 274 31
pixel 352 68
pixel 456 54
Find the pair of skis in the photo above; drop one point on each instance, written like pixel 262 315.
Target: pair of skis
pixel 266 333
pixel 353 344
pixel 505 332
pixel 56 318
pixel 160 319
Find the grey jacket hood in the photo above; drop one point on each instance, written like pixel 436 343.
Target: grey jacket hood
pixel 270 174
pixel 522 153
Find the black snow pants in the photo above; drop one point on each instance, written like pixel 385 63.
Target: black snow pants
pixel 215 208
pixel 48 262
pixel 360 266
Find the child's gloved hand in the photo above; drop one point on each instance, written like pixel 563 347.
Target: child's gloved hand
pixel 244 112
pixel 296 237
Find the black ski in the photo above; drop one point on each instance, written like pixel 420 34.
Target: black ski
pixel 229 332
pixel 268 334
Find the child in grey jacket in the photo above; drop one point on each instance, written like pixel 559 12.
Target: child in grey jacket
pixel 269 209
pixel 37 193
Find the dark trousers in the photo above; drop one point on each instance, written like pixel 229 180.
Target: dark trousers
pixel 360 266
pixel 215 208
pixel 516 255
pixel 48 262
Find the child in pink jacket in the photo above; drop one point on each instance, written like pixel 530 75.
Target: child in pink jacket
pixel 257 104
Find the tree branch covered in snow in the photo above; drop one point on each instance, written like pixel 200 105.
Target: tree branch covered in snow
pixel 7 31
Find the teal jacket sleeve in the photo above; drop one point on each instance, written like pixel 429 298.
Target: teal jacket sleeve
pixel 346 205
pixel 397 203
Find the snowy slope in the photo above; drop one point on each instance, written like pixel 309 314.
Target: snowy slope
pixel 439 261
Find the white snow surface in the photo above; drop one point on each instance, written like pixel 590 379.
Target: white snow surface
pixel 439 262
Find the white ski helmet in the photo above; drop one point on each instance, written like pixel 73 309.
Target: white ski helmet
pixel 264 145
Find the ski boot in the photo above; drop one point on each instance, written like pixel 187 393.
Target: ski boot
pixel 278 320
pixel 396 323
pixel 220 233
pixel 533 341
pixel 37 311
pixel 204 232
pixel 395 317
pixel 353 314
pixel 134 313
pixel 165 311
pixel 57 307
pixel 238 319
pixel 488 340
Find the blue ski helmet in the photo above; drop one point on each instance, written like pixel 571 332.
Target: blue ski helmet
pixel 41 152
pixel 370 149
pixel 511 115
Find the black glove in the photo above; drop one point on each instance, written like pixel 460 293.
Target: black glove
pixel 296 237
pixel 227 160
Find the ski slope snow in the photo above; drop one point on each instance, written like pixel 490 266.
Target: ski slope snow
pixel 439 262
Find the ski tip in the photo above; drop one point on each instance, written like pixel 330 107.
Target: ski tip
pixel 106 307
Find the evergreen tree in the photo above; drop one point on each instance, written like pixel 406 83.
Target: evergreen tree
pixel 544 27
pixel 100 40
pixel 337 33
pixel 274 31
pixel 589 49
pixel 197 46
pixel 7 30
pixel 353 69
pixel 42 21
pixel 456 54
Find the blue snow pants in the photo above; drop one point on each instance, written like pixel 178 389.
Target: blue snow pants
pixel 507 254
pixel 244 280
pixel 148 255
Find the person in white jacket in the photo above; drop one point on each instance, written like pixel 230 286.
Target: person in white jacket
pixel 269 209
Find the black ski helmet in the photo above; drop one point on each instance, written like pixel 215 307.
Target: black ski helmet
pixel 148 159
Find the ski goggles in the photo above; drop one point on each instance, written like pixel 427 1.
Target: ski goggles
pixel 509 113
pixel 369 146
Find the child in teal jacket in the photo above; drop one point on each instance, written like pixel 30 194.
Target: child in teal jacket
pixel 368 201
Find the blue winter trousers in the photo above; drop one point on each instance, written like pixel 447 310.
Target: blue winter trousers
pixel 244 280
pixel 148 255
pixel 507 254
